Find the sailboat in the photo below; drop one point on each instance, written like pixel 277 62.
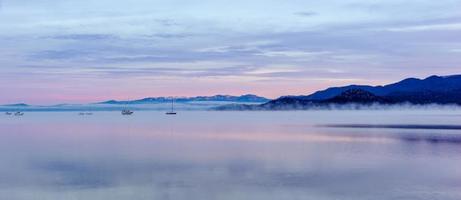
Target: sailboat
pixel 127 112
pixel 172 112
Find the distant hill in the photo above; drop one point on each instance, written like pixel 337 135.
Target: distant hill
pixel 432 90
pixel 351 96
pixel 432 84
pixel 17 105
pixel 357 96
pixel 249 98
pixel 427 97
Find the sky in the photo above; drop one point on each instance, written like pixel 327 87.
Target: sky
pixel 68 51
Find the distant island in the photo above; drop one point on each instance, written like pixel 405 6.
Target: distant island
pixel 441 90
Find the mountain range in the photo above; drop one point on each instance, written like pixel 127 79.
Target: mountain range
pixel 437 84
pixel 248 98
pixel 151 103
pixel 431 90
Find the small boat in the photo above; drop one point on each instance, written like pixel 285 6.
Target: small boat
pixel 127 112
pixel 18 113
pixel 171 112
pixel 81 113
pixel 88 112
pixel 8 113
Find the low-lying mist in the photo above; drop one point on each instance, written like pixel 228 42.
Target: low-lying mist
pixel 226 106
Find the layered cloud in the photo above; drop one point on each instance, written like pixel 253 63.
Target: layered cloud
pixel 300 45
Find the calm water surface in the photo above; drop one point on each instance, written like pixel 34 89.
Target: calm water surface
pixel 232 155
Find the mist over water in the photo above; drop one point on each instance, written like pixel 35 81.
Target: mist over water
pixel 226 106
pixel 409 154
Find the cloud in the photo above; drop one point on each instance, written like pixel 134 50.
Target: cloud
pixel 167 22
pixel 170 35
pixel 83 37
pixel 378 40
pixel 294 54
pixel 428 27
pixel 175 72
pixel 306 13
pixel 60 54
pixel 340 48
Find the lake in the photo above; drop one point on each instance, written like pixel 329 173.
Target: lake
pixel 318 155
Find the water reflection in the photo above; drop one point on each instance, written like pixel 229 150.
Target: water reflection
pixel 433 139
pixel 396 126
pixel 430 137
pixel 227 155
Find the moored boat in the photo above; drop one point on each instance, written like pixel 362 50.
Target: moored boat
pixel 127 112
pixel 171 112
pixel 18 113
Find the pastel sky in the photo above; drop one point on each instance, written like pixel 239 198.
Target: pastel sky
pixel 55 51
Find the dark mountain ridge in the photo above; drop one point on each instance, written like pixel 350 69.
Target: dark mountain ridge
pixel 433 84
pixel 357 96
pixel 432 90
